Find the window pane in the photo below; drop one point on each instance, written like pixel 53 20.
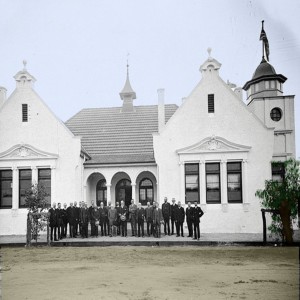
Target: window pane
pixel 149 195
pixel 192 186
pixel 213 188
pixel 191 168
pixel 146 182
pixel 234 166
pixel 213 168
pixel 24 184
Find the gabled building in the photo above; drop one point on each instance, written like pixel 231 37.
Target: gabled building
pixel 215 148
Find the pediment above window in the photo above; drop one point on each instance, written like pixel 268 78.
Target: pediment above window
pixel 213 144
pixel 24 151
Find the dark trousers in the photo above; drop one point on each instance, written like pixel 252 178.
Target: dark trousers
pixel 118 224
pixel 167 224
pixel 179 228
pixel 172 224
pixel 196 230
pixel 133 225
pixel 124 228
pixel 103 225
pixel 84 229
pixel 141 227
pixel 75 228
pixel 156 230
pixel 107 225
pixel 94 229
pixel 65 229
pixel 71 230
pixel 149 227
pixel 53 228
pixel 60 229
pixel 190 228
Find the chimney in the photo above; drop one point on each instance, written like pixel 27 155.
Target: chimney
pixel 161 109
pixel 239 92
pixel 2 95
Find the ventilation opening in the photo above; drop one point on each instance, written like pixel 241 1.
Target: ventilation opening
pixel 211 103
pixel 24 112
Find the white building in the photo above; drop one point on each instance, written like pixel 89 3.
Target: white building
pixel 214 149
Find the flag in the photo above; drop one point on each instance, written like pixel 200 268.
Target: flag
pixel 263 37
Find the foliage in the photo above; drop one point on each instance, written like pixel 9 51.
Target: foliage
pixel 283 196
pixel 35 200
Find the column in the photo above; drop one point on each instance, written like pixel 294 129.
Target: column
pixel 245 185
pixel 53 184
pixel 34 175
pixel 108 194
pixel 15 188
pixel 224 194
pixel 84 193
pixel 133 192
pixel 202 182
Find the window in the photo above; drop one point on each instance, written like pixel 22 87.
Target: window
pixel 24 112
pixel 101 192
pixel 234 182
pixel 211 103
pixel 256 87
pixel 278 171
pixel 272 84
pixel 5 189
pixel 146 191
pixel 276 114
pixel 192 183
pixel 25 183
pixel 44 178
pixel 213 186
pixel 267 84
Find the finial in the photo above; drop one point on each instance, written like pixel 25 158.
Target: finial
pixel 24 64
pixel 262 24
pixel 209 51
pixel 127 64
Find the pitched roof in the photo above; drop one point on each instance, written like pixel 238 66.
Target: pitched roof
pixel 112 136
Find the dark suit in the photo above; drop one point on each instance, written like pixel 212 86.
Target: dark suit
pixel 103 222
pixel 149 219
pixel 76 220
pixel 84 220
pixel 94 216
pixel 123 211
pixel 173 208
pixel 71 219
pixel 65 221
pixel 157 218
pixel 132 218
pixel 189 219
pixel 140 214
pixel 53 223
pixel 118 222
pixel 198 213
pixel 60 224
pixel 179 217
pixel 166 211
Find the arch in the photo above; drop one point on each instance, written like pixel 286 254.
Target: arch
pixel 145 191
pixel 101 192
pixel 124 191
pixel 91 186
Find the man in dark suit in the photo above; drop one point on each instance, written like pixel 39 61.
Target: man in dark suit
pixel 140 214
pixel 65 220
pixel 71 219
pixel 189 212
pixel 123 218
pixel 93 228
pixel 84 220
pixel 118 222
pixel 179 217
pixel 133 217
pixel 60 224
pixel 103 216
pixel 157 220
pixel 166 211
pixel 198 213
pixel 173 208
pixel 76 219
pixel 53 222
pixel 149 218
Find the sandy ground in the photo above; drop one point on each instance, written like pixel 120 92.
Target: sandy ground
pixel 150 273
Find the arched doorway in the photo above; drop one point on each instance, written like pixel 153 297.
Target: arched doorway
pixel 124 191
pixel 101 192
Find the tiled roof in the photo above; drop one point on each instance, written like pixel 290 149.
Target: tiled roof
pixel 111 136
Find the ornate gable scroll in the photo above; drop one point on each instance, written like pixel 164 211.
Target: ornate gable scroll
pixel 214 144
pixel 24 151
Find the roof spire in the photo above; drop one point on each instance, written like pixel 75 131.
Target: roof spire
pixel 127 94
pixel 265 43
pixel 24 64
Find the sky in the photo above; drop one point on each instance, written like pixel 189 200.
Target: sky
pixel 78 49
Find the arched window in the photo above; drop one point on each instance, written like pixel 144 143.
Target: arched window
pixel 101 192
pixel 146 191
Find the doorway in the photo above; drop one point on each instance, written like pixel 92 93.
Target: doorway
pixel 124 191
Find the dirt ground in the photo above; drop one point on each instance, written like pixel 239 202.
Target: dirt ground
pixel 150 273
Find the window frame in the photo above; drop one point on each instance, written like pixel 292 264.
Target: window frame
pixel 211 103
pixel 47 188
pixel 237 172
pixel 191 173
pixel 207 173
pixel 20 186
pixel 103 190
pixel 146 189
pixel 5 179
pixel 276 114
pixel 278 170
pixel 24 112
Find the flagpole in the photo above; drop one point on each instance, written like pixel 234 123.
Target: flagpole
pixel 263 43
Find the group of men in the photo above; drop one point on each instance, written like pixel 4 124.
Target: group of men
pixel 112 220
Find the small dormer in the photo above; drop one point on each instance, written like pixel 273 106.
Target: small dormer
pixel 210 66
pixel 127 95
pixel 24 79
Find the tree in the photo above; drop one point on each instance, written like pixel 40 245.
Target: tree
pixel 283 196
pixel 35 200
